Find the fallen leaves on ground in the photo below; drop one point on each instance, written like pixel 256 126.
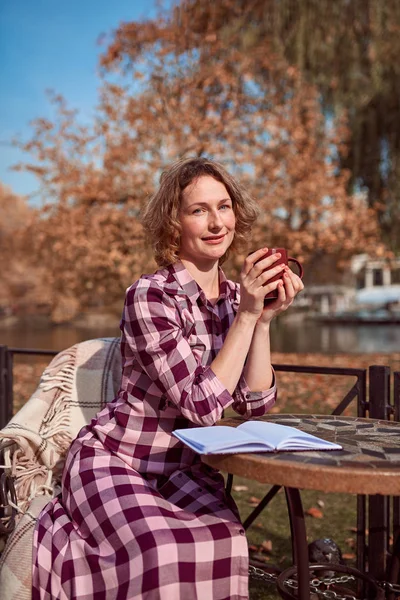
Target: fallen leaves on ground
pixel 254 501
pixel 261 557
pixel 348 556
pixel 314 512
pixel 355 530
pixel 267 545
pixel 240 488
pixel 296 390
pixel 322 393
pixel 259 550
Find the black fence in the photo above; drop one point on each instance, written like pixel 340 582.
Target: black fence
pixel 377 393
pixel 6 377
pixel 376 390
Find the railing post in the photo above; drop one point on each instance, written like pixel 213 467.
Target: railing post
pixel 378 506
pixel 379 392
pixel 6 386
pixel 396 500
pixel 396 395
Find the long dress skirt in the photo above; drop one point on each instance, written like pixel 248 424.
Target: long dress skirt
pixel 114 534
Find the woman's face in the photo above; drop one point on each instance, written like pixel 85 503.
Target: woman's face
pixel 207 220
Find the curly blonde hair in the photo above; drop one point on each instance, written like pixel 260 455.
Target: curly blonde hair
pixel 161 216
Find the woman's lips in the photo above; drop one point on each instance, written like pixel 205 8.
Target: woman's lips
pixel 214 240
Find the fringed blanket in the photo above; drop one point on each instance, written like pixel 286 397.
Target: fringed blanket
pixel 73 388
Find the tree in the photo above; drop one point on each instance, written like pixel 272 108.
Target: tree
pixel 348 49
pixel 209 88
pixel 20 284
pixel 87 234
pixel 91 254
pixel 177 92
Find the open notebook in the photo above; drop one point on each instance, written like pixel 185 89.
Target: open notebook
pixel 251 436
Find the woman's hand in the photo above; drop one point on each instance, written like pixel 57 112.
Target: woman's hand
pixel 254 285
pixel 288 288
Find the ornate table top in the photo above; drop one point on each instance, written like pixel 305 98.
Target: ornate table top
pixel 368 464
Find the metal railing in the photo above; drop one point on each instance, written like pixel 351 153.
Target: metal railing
pixel 358 390
pixel 6 377
pixel 377 393
pixel 372 390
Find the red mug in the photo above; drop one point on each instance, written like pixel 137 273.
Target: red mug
pixel 284 259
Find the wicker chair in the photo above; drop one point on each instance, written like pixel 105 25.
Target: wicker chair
pixel 73 388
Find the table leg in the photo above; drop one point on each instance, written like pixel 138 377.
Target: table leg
pixel 394 565
pixel 299 541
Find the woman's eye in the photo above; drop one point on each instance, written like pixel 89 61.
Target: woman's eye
pixel 225 206
pixel 196 211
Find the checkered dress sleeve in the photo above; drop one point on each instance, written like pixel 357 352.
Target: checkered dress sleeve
pixel 253 404
pixel 247 403
pixel 153 328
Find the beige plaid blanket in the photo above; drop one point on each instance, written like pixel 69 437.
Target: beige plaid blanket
pixel 73 388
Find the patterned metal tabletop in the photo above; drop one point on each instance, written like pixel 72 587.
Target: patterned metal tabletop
pixel 369 462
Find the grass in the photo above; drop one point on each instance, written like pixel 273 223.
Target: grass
pixel 334 514
pixel 336 519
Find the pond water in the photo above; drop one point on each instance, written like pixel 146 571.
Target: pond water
pixel 306 336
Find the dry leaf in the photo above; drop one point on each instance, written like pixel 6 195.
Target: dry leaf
pixel 351 542
pixel 315 512
pixel 240 488
pixel 260 557
pixel 355 530
pixel 321 503
pixel 254 501
pixel 348 556
pixel 267 545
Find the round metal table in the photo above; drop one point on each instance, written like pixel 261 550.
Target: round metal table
pixel 369 463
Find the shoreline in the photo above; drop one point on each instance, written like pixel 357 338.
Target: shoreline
pixel 40 322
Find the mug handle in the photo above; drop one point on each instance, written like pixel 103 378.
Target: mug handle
pixel 301 272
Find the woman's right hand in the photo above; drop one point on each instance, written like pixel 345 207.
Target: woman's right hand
pixel 254 277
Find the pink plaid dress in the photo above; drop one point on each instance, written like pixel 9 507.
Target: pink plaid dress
pixel 139 515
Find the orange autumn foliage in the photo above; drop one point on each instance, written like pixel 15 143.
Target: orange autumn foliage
pixel 17 276
pixel 171 90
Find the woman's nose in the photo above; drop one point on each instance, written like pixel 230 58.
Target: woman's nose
pixel 215 220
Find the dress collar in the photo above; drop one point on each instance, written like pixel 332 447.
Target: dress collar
pixel 179 273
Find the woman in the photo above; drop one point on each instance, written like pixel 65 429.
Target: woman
pixel 139 515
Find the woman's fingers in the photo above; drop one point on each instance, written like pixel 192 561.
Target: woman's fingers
pixel 260 277
pixel 252 258
pixel 256 281
pixel 297 283
pixel 265 289
pixel 256 262
pixel 269 274
pixel 289 285
pixel 293 285
pixel 281 292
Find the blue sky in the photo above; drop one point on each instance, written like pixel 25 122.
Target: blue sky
pixel 50 44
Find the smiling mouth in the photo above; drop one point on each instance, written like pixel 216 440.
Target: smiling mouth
pixel 214 238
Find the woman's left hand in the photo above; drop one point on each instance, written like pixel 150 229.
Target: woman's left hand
pixel 288 289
